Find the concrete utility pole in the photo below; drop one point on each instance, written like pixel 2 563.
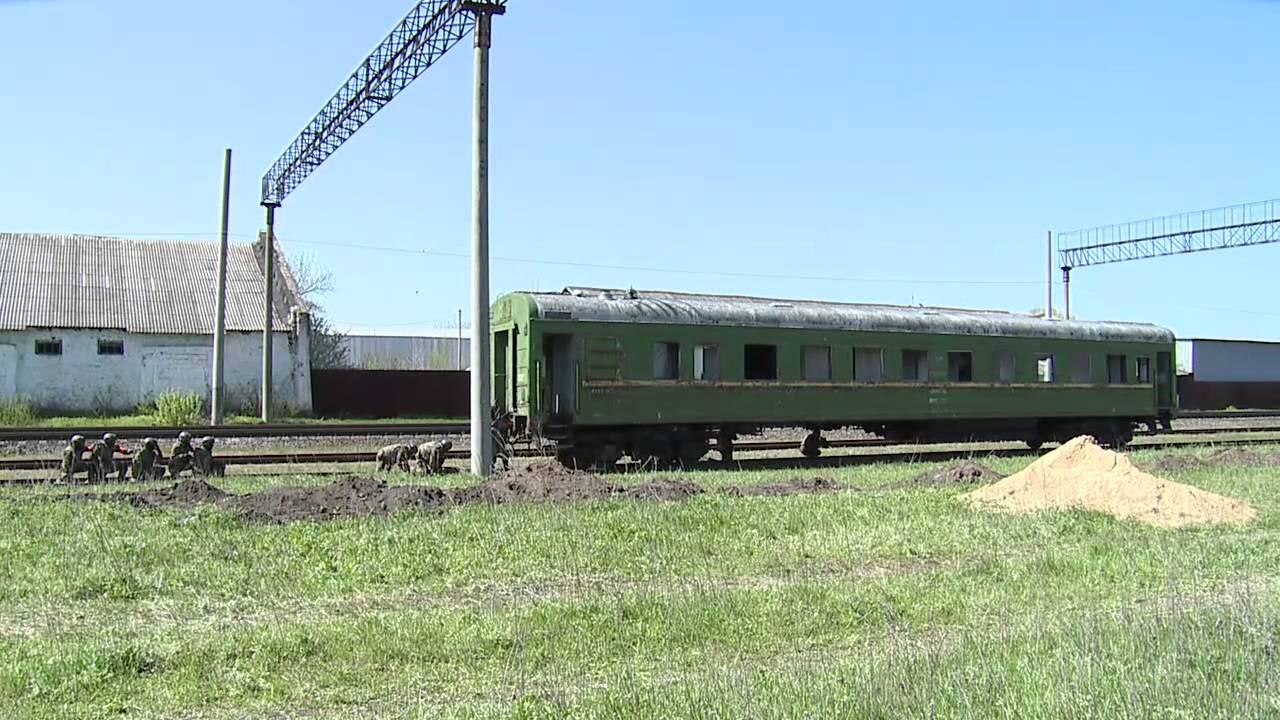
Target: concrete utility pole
pixel 1066 291
pixel 268 275
pixel 481 441
pixel 1048 289
pixel 220 323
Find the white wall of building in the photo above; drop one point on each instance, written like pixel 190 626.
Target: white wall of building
pixel 1235 361
pixel 80 380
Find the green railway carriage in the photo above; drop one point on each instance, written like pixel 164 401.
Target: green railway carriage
pixel 661 375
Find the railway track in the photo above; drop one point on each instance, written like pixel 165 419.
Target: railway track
pixel 15 434
pixel 881 450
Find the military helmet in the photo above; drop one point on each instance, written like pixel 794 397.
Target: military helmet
pixel 446 445
pixel 150 442
pixel 108 437
pixel 77 439
pixel 207 441
pixel 184 436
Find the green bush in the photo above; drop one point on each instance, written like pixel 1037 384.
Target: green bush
pixel 16 413
pixel 179 409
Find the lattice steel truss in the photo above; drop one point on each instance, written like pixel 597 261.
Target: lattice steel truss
pixel 1235 226
pixel 418 41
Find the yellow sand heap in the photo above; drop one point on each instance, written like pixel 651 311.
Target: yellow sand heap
pixel 1082 475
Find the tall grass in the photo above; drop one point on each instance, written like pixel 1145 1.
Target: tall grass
pixel 178 409
pixel 16 412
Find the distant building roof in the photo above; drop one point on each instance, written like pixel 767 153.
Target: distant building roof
pixel 654 306
pixel 143 286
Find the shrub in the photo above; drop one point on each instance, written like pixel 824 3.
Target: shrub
pixel 179 409
pixel 16 412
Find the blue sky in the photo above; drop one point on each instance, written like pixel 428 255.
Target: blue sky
pixel 888 152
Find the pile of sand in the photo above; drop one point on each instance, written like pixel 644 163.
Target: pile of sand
pixel 1082 475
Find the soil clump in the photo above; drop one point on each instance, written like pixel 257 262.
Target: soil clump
pixel 965 473
pixel 1221 458
pixel 184 494
pixel 664 489
pixel 349 497
pixel 545 481
pixel 799 486
pixel 1082 475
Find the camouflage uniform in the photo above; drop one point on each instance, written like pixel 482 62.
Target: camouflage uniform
pixel 144 465
pixel 182 456
pixel 202 458
pixel 396 456
pixel 431 456
pixel 102 460
pixel 73 459
pixel 812 444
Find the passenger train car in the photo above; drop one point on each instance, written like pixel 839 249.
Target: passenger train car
pixel 662 375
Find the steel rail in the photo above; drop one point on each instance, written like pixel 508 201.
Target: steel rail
pixel 461 427
pixel 898 449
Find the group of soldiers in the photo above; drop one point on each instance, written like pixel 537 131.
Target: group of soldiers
pixel 149 463
pixel 428 456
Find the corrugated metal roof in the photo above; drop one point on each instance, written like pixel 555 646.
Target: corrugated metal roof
pixel 649 306
pixel 144 286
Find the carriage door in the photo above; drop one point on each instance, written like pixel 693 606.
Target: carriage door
pixel 1164 380
pixel 501 369
pixel 560 386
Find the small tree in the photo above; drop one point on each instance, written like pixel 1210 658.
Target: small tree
pixel 328 345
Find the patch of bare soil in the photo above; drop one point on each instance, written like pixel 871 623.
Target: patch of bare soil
pixel 965 473
pixel 185 494
pixel 547 482
pixel 1082 475
pixel 349 497
pixel 799 486
pixel 1226 457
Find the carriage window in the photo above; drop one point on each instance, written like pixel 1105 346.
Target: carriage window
pixel 816 363
pixel 1006 367
pixel 666 361
pixel 960 366
pixel 915 365
pixel 706 362
pixel 1081 368
pixel 1044 368
pixel 48 347
pixel 760 362
pixel 1117 369
pixel 1144 369
pixel 868 365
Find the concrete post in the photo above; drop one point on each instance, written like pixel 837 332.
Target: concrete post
pixel 220 322
pixel 268 276
pixel 481 441
pixel 1066 291
pixel 1048 290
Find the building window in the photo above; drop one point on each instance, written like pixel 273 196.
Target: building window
pixel 1081 368
pixel 110 347
pixel 706 362
pixel 1006 367
pixel 1117 369
pixel 1144 369
pixel 915 365
pixel 666 361
pixel 960 366
pixel 868 365
pixel 760 362
pixel 1044 368
pixel 816 363
pixel 48 347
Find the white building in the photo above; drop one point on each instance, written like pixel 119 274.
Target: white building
pixel 1215 360
pixel 403 352
pixel 95 324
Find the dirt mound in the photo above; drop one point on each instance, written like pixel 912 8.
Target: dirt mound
pixel 663 489
pixel 187 493
pixel 349 497
pixel 799 486
pixel 546 481
pixel 965 473
pixel 1082 475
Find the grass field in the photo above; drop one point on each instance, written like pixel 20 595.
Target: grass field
pixel 871 603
